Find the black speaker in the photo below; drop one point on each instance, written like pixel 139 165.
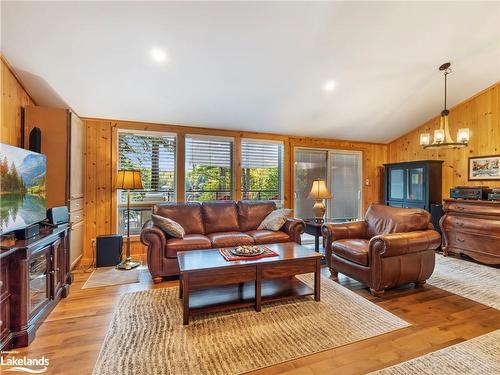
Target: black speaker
pixel 436 214
pixel 28 232
pixel 36 140
pixel 58 215
pixel 108 250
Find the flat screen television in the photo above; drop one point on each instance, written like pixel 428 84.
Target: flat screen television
pixel 22 188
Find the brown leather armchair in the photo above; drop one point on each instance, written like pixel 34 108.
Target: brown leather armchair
pixel 390 247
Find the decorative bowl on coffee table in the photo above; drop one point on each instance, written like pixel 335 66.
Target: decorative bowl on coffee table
pixel 247 251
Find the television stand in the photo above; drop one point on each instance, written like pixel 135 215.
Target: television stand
pixel 35 275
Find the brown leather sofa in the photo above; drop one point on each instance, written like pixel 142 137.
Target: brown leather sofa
pixel 390 247
pixel 209 225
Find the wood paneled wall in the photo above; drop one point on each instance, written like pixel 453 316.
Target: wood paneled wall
pixel 14 98
pixel 481 115
pixel 101 152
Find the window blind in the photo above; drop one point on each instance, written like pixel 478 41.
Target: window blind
pixel 255 154
pixel 262 170
pixel 209 168
pixel 154 156
pixel 208 152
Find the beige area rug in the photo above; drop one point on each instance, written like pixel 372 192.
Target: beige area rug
pixel 478 356
pixel 107 276
pixel 467 279
pixel 146 335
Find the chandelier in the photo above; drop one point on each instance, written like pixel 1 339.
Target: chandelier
pixel 442 137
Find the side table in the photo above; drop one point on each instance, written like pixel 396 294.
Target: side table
pixel 314 228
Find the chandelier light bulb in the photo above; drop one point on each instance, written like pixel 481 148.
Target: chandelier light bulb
pixel 439 136
pixel 425 139
pixel 463 135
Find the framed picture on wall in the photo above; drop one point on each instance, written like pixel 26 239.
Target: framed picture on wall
pixel 484 168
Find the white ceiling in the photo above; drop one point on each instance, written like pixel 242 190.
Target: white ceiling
pixel 256 66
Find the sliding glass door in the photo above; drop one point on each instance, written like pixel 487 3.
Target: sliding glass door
pixel 345 184
pixel 342 171
pixel 310 164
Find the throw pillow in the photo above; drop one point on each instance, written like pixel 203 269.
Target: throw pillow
pixel 172 228
pixel 275 220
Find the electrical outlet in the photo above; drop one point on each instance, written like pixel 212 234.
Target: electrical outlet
pixel 92 242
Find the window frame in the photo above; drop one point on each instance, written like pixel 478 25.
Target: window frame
pixel 281 166
pixel 144 204
pixel 233 167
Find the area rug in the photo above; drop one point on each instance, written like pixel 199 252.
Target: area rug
pixel 107 276
pixel 146 335
pixel 480 356
pixel 467 279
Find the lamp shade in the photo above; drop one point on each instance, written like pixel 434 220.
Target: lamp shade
pixel 128 180
pixel 319 190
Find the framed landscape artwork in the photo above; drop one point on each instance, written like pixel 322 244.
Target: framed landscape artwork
pixel 484 168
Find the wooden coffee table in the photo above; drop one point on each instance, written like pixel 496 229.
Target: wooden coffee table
pixel 209 283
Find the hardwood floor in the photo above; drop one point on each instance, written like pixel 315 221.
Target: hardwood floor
pixel 72 335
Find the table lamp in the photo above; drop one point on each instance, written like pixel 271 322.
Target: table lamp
pixel 319 191
pixel 128 180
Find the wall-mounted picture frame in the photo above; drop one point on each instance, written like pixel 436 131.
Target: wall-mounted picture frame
pixel 484 168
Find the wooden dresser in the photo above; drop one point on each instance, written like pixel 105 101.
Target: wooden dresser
pixel 472 227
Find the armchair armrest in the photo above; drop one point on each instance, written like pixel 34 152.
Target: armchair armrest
pixel 294 228
pixel 393 244
pixel 338 231
pixel 154 238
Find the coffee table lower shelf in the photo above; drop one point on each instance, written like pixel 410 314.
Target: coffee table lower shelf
pixel 234 296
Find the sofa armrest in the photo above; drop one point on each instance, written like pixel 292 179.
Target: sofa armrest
pixel 154 238
pixel 394 244
pixel 338 231
pixel 294 228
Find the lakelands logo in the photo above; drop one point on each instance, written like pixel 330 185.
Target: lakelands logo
pixel 27 365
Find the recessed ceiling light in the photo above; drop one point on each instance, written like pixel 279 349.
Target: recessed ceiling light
pixel 329 85
pixel 158 55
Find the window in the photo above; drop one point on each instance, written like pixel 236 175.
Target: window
pixel 209 168
pixel 154 155
pixel 261 170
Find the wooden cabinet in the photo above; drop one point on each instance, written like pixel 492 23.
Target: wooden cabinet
pixel 63 142
pixel 4 302
pixel 472 227
pixel 413 184
pixel 35 275
pixel 76 240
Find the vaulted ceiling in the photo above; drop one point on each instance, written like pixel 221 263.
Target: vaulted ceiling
pixel 259 66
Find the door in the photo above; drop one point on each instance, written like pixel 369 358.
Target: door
pixel 57 270
pixel 396 184
pixel 416 184
pixel 53 122
pixel 309 165
pixel 39 280
pixel 345 183
pixel 76 157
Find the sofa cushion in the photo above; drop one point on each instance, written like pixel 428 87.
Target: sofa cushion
pixel 229 239
pixel 382 219
pixel 251 213
pixel 169 226
pixel 275 220
pixel 268 236
pixel 189 242
pixel 355 250
pixel 220 216
pixel 187 214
